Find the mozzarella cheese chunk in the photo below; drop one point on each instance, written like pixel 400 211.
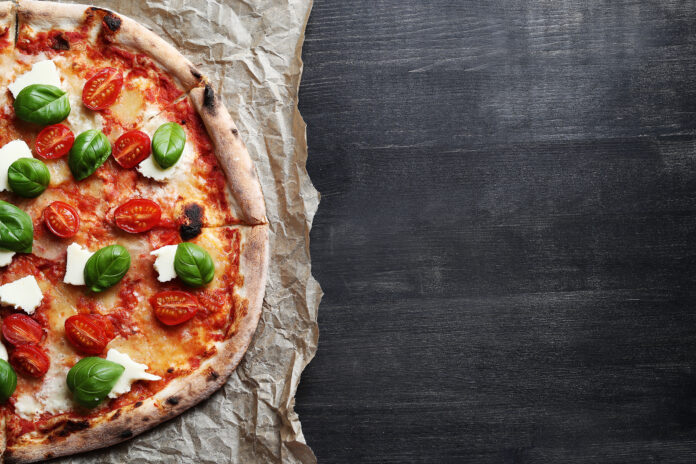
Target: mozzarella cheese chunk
pixel 24 294
pixel 26 406
pixel 75 264
pixel 6 257
pixel 164 264
pixel 133 371
pixel 54 397
pixel 9 153
pixel 149 168
pixel 42 72
pixel 3 352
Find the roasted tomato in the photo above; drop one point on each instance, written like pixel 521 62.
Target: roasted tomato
pixel 54 141
pixel 19 329
pixel 137 215
pixel 131 148
pixel 30 360
pixel 174 307
pixel 61 219
pixel 88 333
pixel 102 89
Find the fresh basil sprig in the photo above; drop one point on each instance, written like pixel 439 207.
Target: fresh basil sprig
pixel 42 104
pixel 28 177
pixel 168 144
pixel 193 265
pixel 8 380
pixel 16 229
pixel 106 267
pixel 91 380
pixel 90 150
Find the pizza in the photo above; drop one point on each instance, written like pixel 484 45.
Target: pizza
pixel 133 232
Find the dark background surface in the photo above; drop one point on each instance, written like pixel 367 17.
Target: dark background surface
pixel 506 237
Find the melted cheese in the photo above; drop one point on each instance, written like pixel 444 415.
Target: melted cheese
pixel 9 153
pixel 6 257
pixel 164 264
pixel 133 371
pixel 42 72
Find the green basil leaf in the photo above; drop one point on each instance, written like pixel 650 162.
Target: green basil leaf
pixel 168 144
pixel 28 177
pixel 8 380
pixel 90 150
pixel 16 229
pixel 193 265
pixel 91 380
pixel 42 104
pixel 106 267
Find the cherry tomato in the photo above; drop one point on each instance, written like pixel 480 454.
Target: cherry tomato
pixel 31 360
pixel 174 307
pixel 137 215
pixel 102 89
pixel 131 148
pixel 87 333
pixel 61 219
pixel 19 329
pixel 54 141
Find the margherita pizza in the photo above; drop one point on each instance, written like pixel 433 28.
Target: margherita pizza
pixel 133 233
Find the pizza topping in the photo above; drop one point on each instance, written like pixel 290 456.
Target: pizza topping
pixel 3 352
pixel 63 220
pixel 9 153
pixel 86 333
pixel 91 380
pixel 168 144
pixel 75 264
pixel 164 264
pixel 174 307
pixel 54 141
pixel 90 150
pixel 6 257
pixel 137 215
pixel 42 72
pixel 102 89
pixel 19 329
pixel 16 229
pixel 30 360
pixel 8 380
pixel 42 104
pixel 24 294
pixel 131 148
pixel 133 371
pixel 193 265
pixel 149 168
pixel 106 267
pixel 28 177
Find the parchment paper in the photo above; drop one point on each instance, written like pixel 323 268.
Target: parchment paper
pixel 251 49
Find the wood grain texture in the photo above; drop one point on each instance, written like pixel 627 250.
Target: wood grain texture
pixel 506 238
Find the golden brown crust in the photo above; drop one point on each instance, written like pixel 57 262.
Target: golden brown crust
pixel 6 9
pixel 50 14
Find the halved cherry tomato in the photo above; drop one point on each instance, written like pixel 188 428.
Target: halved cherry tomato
pixel 31 360
pixel 19 329
pixel 174 307
pixel 137 215
pixel 102 89
pixel 54 141
pixel 131 148
pixel 87 333
pixel 61 219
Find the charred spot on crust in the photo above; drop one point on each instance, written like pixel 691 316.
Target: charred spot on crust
pixel 138 404
pixel 59 42
pixel 209 99
pixel 170 370
pixel 193 222
pixel 116 414
pixel 213 376
pixel 146 419
pixel 235 132
pixel 173 400
pixel 72 426
pixel 112 21
pixel 126 434
pixel 195 73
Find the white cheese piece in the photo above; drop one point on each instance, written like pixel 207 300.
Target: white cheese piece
pixel 55 396
pixel 75 264
pixel 134 371
pixel 149 168
pixel 5 257
pixel 24 294
pixel 3 352
pixel 42 72
pixel 164 264
pixel 9 153
pixel 26 406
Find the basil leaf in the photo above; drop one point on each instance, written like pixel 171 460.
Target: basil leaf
pixel 193 265
pixel 91 380
pixel 168 144
pixel 42 104
pixel 16 229
pixel 28 177
pixel 8 380
pixel 90 150
pixel 106 267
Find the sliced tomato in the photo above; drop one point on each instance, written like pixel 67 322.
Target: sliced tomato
pixel 19 329
pixel 102 89
pixel 87 333
pixel 137 215
pixel 61 219
pixel 131 148
pixel 174 307
pixel 54 141
pixel 31 360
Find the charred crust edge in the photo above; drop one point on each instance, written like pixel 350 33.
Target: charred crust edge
pixel 112 21
pixel 173 400
pixel 209 99
pixel 60 43
pixel 212 376
pixel 72 426
pixel 195 73
pixel 138 404
pixel 193 225
pixel 125 434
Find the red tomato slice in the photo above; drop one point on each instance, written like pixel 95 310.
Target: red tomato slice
pixel 86 333
pixel 131 148
pixel 174 307
pixel 137 215
pixel 19 329
pixel 61 219
pixel 102 89
pixel 54 141
pixel 31 360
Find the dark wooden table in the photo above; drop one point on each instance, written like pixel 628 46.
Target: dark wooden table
pixel 507 235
